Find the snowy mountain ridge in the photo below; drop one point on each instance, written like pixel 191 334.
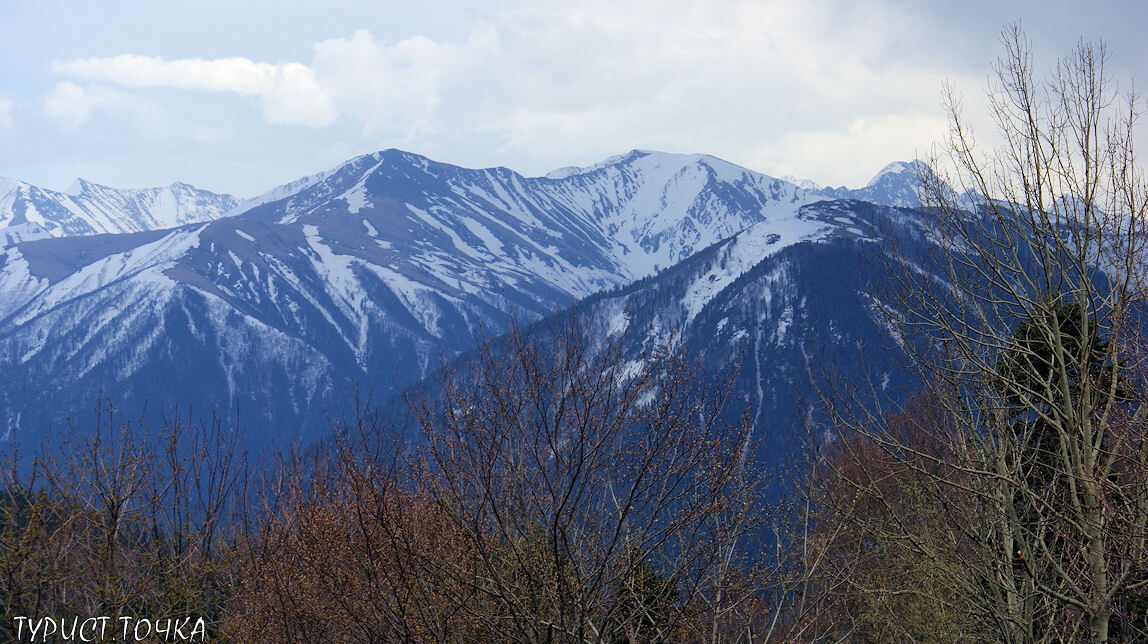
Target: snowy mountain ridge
pixel 88 208
pixel 645 210
pixel 896 184
pixel 369 272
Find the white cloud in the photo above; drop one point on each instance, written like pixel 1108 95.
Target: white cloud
pixel 854 149
pixel 755 82
pixel 68 104
pixel 830 90
pixel 587 80
pixel 73 106
pixel 207 134
pixel 7 106
pixel 288 92
pixel 294 98
pixel 226 74
pixel 390 89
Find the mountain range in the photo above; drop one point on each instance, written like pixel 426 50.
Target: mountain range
pixel 375 271
pixel 86 208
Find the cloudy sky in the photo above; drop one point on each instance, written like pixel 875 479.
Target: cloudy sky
pixel 242 96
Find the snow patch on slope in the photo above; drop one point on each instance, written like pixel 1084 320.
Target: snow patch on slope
pixel 146 262
pixel 17 284
pixel 341 284
pixel 745 251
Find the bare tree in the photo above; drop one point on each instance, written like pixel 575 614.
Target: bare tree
pixel 347 548
pixel 601 497
pixel 124 519
pixel 875 540
pixel 558 492
pixel 1026 318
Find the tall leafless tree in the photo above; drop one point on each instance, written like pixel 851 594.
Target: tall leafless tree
pixel 1028 322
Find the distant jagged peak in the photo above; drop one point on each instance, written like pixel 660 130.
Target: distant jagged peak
pixel 80 187
pixel 901 170
pixel 805 184
pixel 87 208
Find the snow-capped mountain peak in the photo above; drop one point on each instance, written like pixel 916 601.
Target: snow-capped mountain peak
pixel 899 169
pixel 897 184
